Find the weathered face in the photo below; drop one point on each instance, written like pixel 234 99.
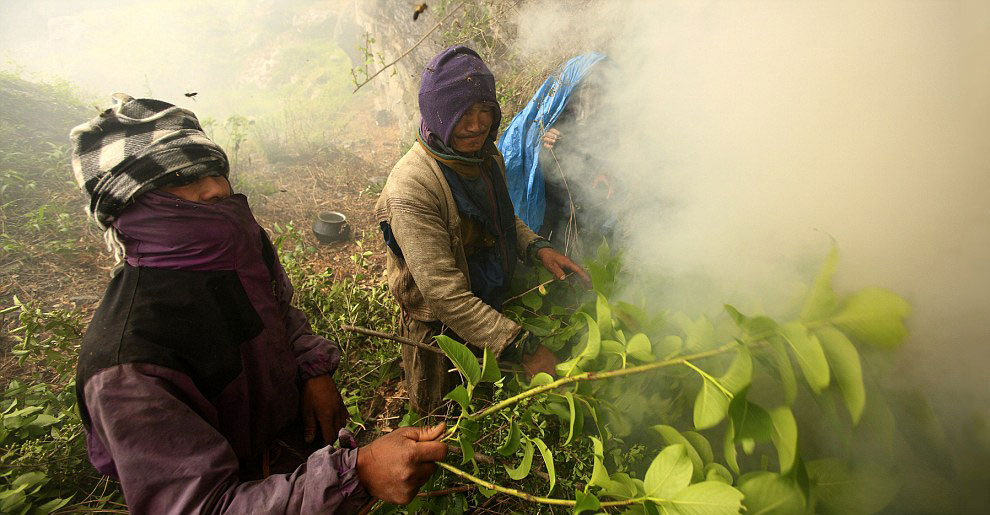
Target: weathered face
pixel 205 190
pixel 472 129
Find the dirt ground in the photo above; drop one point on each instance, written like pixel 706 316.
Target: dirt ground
pixel 347 180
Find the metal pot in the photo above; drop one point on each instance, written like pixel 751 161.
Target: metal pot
pixel 331 226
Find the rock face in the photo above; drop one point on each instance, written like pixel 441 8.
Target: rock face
pixel 391 31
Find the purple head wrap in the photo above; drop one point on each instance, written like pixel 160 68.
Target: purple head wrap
pixel 452 82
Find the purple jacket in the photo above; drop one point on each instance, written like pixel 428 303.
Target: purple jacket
pixel 193 364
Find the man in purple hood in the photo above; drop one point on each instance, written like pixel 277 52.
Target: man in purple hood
pixel 197 380
pixel 452 235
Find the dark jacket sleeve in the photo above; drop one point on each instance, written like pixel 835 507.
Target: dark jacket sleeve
pixel 315 355
pixel 171 460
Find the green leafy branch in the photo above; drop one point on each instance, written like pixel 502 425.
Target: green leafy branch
pixel 683 476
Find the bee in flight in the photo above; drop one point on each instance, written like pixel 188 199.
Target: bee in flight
pixel 420 9
pixel 192 95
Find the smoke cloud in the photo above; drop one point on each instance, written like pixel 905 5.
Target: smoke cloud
pixel 751 133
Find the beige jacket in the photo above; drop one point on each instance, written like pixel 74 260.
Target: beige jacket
pixel 431 281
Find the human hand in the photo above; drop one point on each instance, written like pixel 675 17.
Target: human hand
pixel 541 360
pixel 556 263
pixel 550 138
pixel 394 467
pixel 322 405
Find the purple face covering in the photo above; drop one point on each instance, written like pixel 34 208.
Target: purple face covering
pixel 164 231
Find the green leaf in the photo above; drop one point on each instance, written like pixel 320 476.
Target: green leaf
pixel 844 359
pixel 700 444
pixel 784 369
pixel 740 372
pixel 669 473
pixel 633 318
pixel 44 420
pixel 754 328
pixel 52 505
pixel 770 494
pixel 729 447
pixel 874 316
pixel 706 498
pixel 821 301
pixel 599 475
pixel 613 347
pixel 735 315
pixel 467 450
pixel 540 379
pixel 487 492
pixel 855 492
pixel 11 499
pixel 538 326
pixel 489 369
pixel 622 486
pixel 411 418
pixel 533 300
pixel 784 437
pixel 749 420
pixel 672 437
pixel 522 470
pixel 668 347
pixel 460 395
pixel 462 357
pixel 603 314
pixel 28 480
pixel 469 429
pixel 24 412
pixel 699 333
pixel 808 353
pixel 718 472
pixel 585 502
pixel 511 444
pixel 593 345
pixel 710 406
pixel 548 461
pixel 639 347
pixel 588 352
pixel 570 406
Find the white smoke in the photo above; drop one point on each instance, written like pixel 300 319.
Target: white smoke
pixel 751 132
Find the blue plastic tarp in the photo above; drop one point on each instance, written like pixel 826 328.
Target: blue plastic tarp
pixel 520 143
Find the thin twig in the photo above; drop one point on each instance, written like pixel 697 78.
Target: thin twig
pixel 594 376
pixel 488 460
pixel 527 496
pixel 393 337
pixel 447 491
pixel 538 286
pixel 410 49
pixel 572 216
pixel 708 377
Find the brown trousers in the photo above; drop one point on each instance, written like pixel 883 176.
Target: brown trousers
pixel 427 376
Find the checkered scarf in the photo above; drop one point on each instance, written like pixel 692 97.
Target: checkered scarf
pixel 136 146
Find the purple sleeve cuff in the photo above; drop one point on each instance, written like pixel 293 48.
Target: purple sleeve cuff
pixel 346 494
pixel 318 361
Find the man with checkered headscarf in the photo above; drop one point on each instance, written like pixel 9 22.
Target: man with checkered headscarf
pixel 196 372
